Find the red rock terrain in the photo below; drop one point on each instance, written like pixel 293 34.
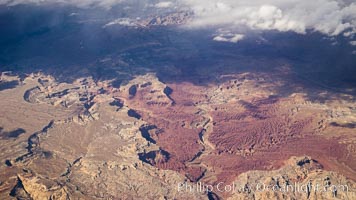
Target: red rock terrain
pixel 213 134
pixel 91 140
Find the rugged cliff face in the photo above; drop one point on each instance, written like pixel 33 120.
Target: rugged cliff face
pixel 152 140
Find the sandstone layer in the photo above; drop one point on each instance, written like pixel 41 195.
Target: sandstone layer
pixel 144 139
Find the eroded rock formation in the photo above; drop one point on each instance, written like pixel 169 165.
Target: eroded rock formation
pixel 92 139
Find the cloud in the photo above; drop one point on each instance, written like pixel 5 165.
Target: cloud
pixel 234 38
pixel 353 43
pixel 330 17
pixel 122 22
pixel 164 4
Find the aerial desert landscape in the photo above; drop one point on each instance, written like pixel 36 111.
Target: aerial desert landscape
pixel 174 100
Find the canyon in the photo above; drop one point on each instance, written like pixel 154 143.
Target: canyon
pixel 91 139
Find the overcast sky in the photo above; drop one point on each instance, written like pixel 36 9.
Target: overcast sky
pixel 331 17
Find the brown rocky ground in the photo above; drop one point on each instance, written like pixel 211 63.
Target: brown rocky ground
pixel 89 140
